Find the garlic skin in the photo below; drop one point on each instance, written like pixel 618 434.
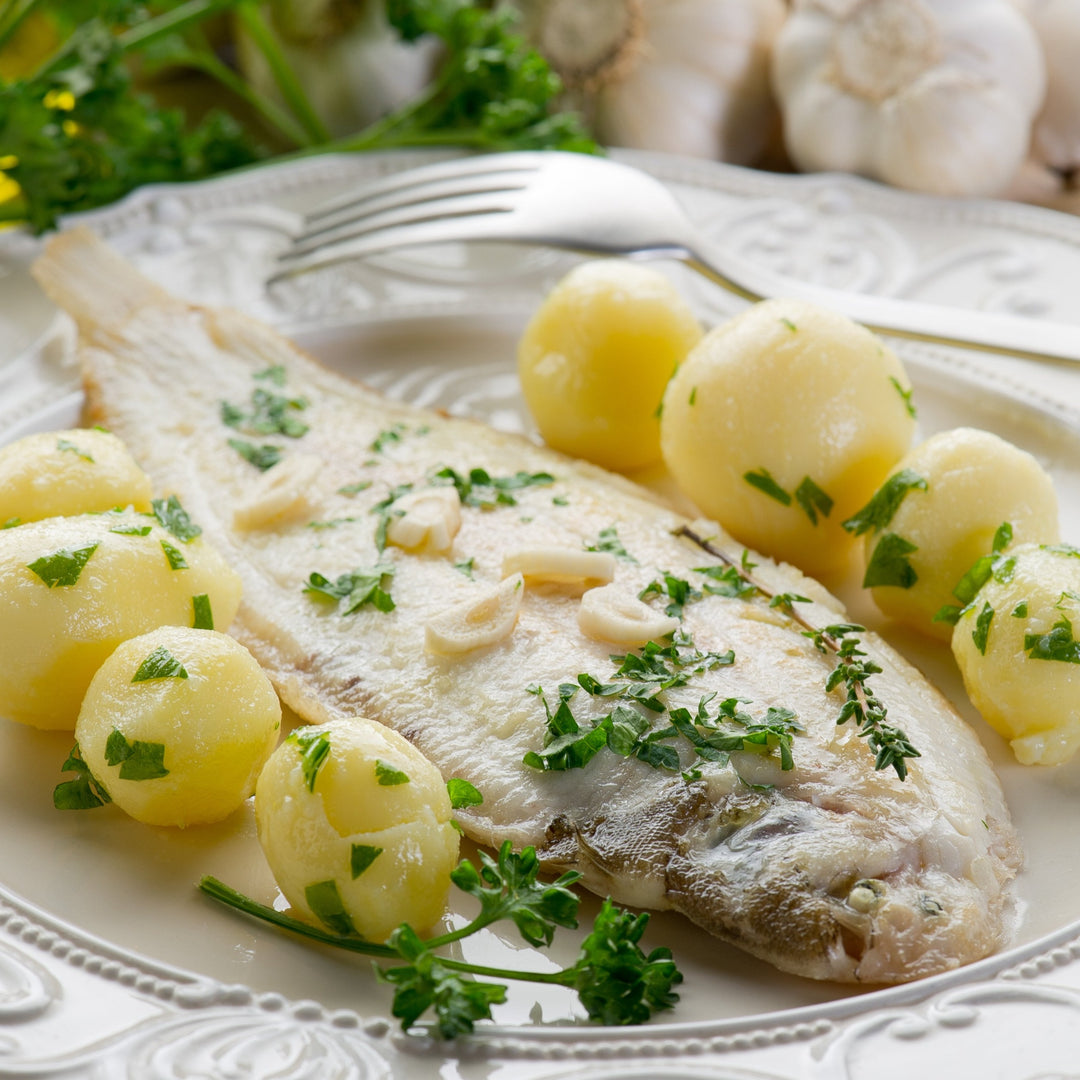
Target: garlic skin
pixel 679 76
pixel 931 95
pixel 1057 128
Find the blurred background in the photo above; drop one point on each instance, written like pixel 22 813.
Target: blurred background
pixel 965 98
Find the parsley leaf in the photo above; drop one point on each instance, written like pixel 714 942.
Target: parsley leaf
pixel 609 542
pixel 174 556
pixel 889 564
pixel 813 500
pixel 262 457
pixel 85 791
pixel 905 396
pixel 71 448
pixel 324 899
pixel 726 581
pixel 160 664
pixel 466 566
pixel 884 503
pixel 355 589
pixel 679 591
pixel 138 760
pixel 173 517
pixel 462 793
pixel 268 414
pixel 62 568
pixel 1058 644
pixel 202 615
pixel 314 750
pixel 981 633
pixel 361 857
pixel 482 490
pixel 765 483
pixel 388 776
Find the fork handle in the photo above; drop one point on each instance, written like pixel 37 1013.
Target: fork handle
pixel 990 332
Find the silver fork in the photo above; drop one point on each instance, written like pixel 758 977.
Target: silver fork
pixel 601 207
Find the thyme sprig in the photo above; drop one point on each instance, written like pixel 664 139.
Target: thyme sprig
pixel 890 745
pixel 614 979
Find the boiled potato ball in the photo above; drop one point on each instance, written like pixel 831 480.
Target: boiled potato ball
pixel 68 472
pixel 1018 653
pixel 177 724
pixel 781 423
pixel 72 589
pixel 955 490
pixel 355 824
pixel 596 356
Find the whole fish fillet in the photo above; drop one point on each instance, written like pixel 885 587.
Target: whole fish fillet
pixel 829 869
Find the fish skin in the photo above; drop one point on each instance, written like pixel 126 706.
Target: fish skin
pixel 766 868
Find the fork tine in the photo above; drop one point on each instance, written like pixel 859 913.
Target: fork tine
pixel 522 161
pixel 454 206
pixel 413 195
pixel 466 227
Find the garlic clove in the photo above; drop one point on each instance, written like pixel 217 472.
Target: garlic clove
pixel 609 613
pixel 428 519
pixel 560 564
pixel 281 494
pixel 480 620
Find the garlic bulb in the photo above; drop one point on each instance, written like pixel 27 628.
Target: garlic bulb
pixel 353 66
pixel 1057 129
pixel 682 76
pixel 932 95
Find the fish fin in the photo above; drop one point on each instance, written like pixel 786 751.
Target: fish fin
pixel 98 287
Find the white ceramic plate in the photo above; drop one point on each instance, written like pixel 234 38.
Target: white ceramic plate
pixel 112 961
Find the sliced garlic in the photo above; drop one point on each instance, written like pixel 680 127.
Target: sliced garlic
pixel 610 613
pixel 478 621
pixel 283 493
pixel 429 519
pixel 560 564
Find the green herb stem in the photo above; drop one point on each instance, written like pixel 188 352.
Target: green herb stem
pixel 11 19
pixel 170 22
pixel 250 15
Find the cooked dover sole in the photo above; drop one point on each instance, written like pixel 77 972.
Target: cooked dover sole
pixel 829 869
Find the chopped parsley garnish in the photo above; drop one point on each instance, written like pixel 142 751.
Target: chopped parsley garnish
pixel 462 793
pixel 62 568
pixel 268 413
pixel 361 857
pixel 981 633
pixel 332 524
pixel 609 542
pixel 693 395
pixel 355 489
pixel 11 523
pixel 905 396
pixel 482 490
pixel 559 500
pixel 275 373
pixel 1020 611
pixel 996 565
pixel 132 530
pixel 765 483
pixel 314 750
pixel 679 591
pixel 388 438
pixel 262 457
pixel 616 982
pixel 174 555
pixel 813 500
pixel 202 615
pixel 173 517
pixel 726 581
pixel 70 448
pixel 384 508
pixel 388 776
pixel 884 503
pixel 84 792
pixel 326 905
pixel 466 566
pixel 889 564
pixel 1058 644
pixel 160 664
pixel 138 760
pixel 1062 549
pixel 790 325
pixel 355 589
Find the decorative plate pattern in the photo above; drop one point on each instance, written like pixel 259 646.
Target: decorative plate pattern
pixel 73 1005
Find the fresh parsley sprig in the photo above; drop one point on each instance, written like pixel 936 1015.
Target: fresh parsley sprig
pixel 614 979
pixel 890 745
